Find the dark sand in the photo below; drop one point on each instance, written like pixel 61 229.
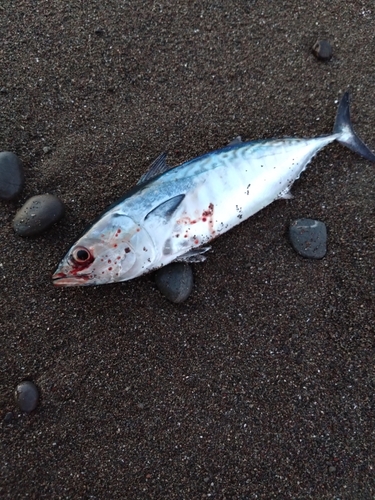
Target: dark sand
pixel 261 385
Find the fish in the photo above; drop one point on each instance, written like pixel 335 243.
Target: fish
pixel 174 212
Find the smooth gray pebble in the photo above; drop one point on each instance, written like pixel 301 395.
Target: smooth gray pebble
pixel 322 50
pixel 38 214
pixel 12 179
pixel 175 281
pixel 309 238
pixel 26 396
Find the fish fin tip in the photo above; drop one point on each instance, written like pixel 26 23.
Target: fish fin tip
pixel 345 133
pixel 235 141
pixel 285 195
pixel 157 167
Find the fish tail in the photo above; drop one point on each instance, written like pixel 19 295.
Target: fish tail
pixel 344 129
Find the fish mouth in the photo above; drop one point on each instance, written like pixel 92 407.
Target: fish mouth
pixel 61 279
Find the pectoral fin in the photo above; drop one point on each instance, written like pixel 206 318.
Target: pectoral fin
pixel 166 209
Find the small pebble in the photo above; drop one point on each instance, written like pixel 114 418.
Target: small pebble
pixel 8 417
pixel 322 50
pixel 309 238
pixel 175 281
pixel 332 469
pixel 12 178
pixel 38 214
pixel 26 396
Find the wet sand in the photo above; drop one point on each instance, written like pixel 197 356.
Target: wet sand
pixel 262 384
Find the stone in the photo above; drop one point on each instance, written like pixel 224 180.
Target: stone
pixel 309 238
pixel 175 281
pixel 322 50
pixel 38 214
pixel 26 396
pixel 9 417
pixel 12 178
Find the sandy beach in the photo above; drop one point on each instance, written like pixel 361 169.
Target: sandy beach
pixel 262 384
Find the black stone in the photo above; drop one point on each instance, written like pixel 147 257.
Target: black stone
pixel 8 419
pixel 38 214
pixel 26 396
pixel 175 281
pixel 12 177
pixel 322 50
pixel 309 238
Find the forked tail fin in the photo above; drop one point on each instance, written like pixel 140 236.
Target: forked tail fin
pixel 347 136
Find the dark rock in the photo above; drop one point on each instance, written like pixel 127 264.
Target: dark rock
pixel 322 50
pixel 8 417
pixel 12 177
pixel 38 214
pixel 26 396
pixel 309 238
pixel 175 281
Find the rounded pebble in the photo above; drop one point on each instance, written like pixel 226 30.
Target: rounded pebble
pixel 175 281
pixel 26 396
pixel 38 214
pixel 12 178
pixel 322 50
pixel 8 419
pixel 309 238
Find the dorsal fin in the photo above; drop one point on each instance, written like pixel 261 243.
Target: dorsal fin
pixel 235 141
pixel 157 167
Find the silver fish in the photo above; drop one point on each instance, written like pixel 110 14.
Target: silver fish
pixel 173 212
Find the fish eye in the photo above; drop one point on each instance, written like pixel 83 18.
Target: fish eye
pixel 81 255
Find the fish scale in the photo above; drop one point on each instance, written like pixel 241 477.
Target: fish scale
pixel 250 179
pixel 173 212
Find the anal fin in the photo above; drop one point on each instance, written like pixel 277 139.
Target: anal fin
pixel 285 195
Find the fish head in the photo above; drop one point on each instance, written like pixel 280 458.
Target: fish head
pixel 115 248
